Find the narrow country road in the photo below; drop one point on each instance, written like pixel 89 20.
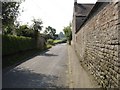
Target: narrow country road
pixel 47 69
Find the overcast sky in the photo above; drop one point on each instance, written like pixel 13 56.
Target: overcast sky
pixel 55 13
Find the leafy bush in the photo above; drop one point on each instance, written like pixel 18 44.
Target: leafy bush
pixel 68 33
pixel 50 41
pixel 13 44
pixel 24 30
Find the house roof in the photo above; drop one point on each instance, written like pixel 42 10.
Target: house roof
pixel 81 12
pixel 79 21
pixel 93 10
pixel 83 9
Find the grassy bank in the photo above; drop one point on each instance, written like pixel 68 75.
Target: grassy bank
pixel 56 41
pixel 60 41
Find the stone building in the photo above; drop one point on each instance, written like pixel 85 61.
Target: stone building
pixel 95 32
pixel 80 12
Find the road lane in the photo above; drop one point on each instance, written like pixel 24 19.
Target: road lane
pixel 47 69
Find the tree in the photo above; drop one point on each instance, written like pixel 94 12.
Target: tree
pixel 68 33
pixel 61 35
pixel 51 31
pixel 24 30
pixel 37 27
pixel 37 24
pixel 9 14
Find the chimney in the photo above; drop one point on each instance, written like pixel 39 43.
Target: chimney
pixel 75 6
pixel 75 1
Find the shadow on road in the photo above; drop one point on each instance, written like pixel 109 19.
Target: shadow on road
pixel 48 54
pixel 28 57
pixel 29 79
pixel 44 73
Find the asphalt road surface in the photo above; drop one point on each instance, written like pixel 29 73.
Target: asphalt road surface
pixel 48 69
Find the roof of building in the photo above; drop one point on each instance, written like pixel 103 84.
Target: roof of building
pixel 81 12
pixel 83 9
pixel 93 10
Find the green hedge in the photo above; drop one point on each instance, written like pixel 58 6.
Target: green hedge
pixel 13 44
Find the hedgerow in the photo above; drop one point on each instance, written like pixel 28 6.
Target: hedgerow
pixel 13 44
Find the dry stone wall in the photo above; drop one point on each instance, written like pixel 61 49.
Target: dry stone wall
pixel 97 44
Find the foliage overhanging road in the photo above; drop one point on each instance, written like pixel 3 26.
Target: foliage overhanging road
pixel 48 69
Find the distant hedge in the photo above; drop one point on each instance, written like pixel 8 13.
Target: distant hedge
pixel 13 44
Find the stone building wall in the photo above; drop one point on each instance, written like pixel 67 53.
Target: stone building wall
pixel 97 44
pixel 41 43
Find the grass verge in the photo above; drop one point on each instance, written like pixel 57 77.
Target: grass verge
pixel 57 41
pixel 49 46
pixel 60 41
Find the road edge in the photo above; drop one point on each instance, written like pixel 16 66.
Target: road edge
pixel 70 83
